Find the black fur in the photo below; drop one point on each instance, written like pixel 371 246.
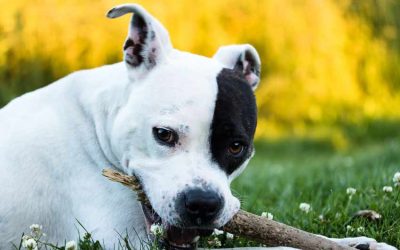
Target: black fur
pixel 235 119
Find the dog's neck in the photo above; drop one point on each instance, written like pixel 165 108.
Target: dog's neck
pixel 100 100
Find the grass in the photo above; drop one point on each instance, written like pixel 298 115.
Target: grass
pixel 285 173
pixel 280 178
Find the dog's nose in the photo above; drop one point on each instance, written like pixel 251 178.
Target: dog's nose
pixel 202 206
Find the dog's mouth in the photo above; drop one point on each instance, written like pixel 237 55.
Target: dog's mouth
pixel 173 237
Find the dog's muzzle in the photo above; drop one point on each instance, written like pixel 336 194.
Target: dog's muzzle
pixel 198 210
pixel 175 237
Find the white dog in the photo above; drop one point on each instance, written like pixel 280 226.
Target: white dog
pixel 182 123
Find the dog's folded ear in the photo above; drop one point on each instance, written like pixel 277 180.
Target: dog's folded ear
pixel 243 58
pixel 148 41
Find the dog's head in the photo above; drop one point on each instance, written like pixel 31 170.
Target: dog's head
pixel 187 128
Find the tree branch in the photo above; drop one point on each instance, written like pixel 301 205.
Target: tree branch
pixel 245 224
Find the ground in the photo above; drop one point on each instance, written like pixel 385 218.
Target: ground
pixel 285 173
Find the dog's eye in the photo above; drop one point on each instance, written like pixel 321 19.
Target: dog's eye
pixel 165 136
pixel 236 148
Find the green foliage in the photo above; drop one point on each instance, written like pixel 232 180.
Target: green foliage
pixel 286 176
pixel 87 243
pixel 323 62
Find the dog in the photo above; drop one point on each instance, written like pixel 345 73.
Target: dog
pixel 182 123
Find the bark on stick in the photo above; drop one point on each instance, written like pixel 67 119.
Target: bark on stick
pixel 248 225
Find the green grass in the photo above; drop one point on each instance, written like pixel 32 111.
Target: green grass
pixel 285 173
pixel 280 177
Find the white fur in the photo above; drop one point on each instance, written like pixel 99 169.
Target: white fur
pixel 53 146
pixel 55 141
pixel 184 90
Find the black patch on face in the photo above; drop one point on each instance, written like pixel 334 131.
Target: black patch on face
pixel 235 119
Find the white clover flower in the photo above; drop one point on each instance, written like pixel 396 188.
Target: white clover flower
pixel 360 229
pixel 30 244
pixel 216 242
pixel 71 245
pixel 156 229
pixel 349 228
pixel 269 216
pixel 321 217
pixel 351 191
pixel 217 232
pixel 36 230
pixel 387 189
pixel 305 207
pixel 229 236
pixel 36 227
pixel 396 178
pixel 26 237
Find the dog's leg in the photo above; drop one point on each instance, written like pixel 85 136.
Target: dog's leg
pixel 257 248
pixel 363 243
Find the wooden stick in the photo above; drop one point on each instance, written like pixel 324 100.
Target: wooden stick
pixel 245 224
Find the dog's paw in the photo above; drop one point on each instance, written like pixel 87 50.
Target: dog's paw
pixel 363 243
pixel 381 246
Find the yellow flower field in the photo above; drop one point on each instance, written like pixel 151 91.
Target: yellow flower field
pixel 325 63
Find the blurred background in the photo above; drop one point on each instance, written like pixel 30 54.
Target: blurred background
pixel 329 100
pixel 330 74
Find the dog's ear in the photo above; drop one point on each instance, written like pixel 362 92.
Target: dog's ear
pixel 243 58
pixel 148 41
